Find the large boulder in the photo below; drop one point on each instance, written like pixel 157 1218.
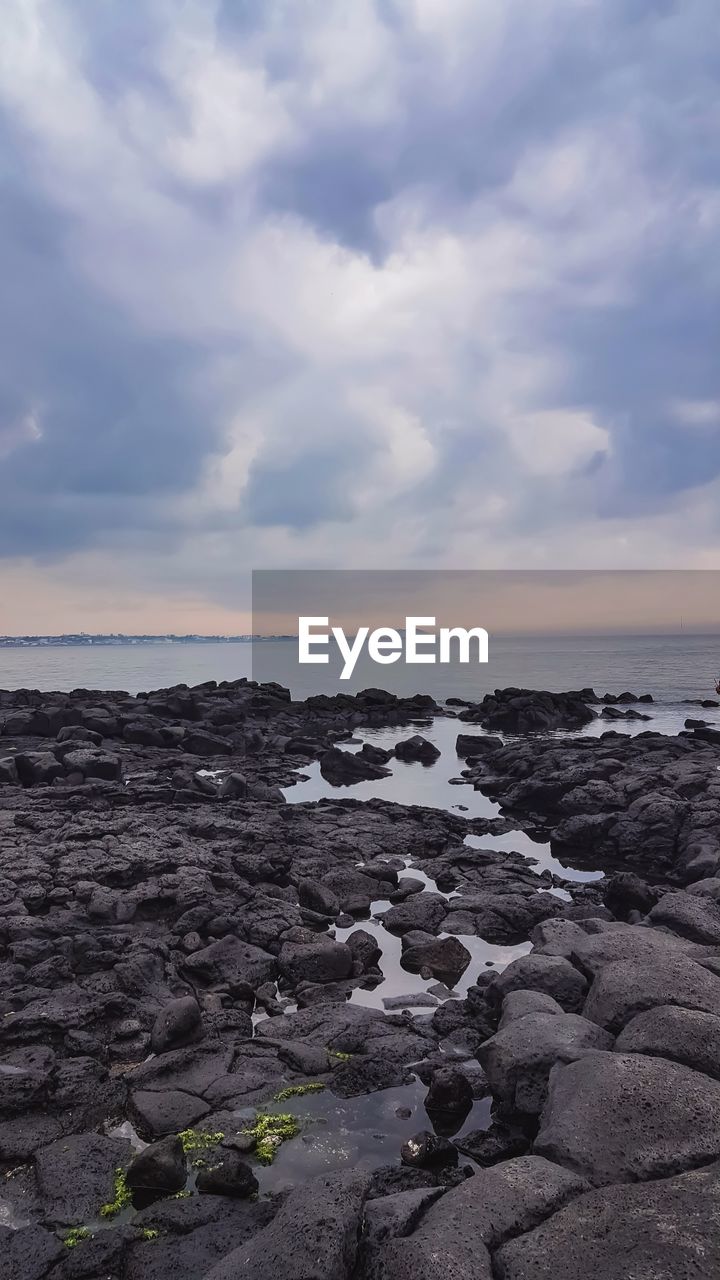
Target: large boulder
pixel 682 1035
pixel 664 1230
pixel 518 1059
pixel 321 961
pixel 313 1237
pixel 623 1117
pixel 623 989
pixel 553 975
pixel 689 915
pixel 343 768
pixel 458 1233
pixel 230 963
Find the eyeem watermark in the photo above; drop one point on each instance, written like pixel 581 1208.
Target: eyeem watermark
pixel 418 642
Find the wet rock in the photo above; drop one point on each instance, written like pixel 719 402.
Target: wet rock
pixel 498 1142
pixel 159 1169
pixel 450 1093
pixel 179 1023
pixel 425 911
pixel 618 1117
pixel 417 748
pixel 227 1175
pixel 518 1060
pixel 198 743
pixel 365 951
pixel 428 1151
pixel 306 1059
pixel 318 897
pixel 156 1113
pixel 528 710
pixel 667 1228
pixel 321 961
pixel 343 768
pixel 315 1233
pixel 38 768
pixel 444 958
pixel 194 1235
pixel 626 892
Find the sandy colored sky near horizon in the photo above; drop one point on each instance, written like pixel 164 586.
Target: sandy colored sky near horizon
pixel 44 600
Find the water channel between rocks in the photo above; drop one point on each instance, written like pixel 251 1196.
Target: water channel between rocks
pixel 368 1131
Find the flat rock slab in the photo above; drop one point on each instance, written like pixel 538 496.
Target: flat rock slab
pixel 617 1117
pixel 665 1230
pixel 76 1175
pixel 313 1237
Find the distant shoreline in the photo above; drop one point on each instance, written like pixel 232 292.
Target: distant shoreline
pixel 81 641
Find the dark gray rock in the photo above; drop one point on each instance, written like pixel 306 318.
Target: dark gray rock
pixel 321 961
pixel 227 1174
pixel 552 975
pixel 160 1168
pixel 460 1231
pixel 666 1230
pixel 518 1059
pixel 517 1004
pixel 232 964
pixel 179 1023
pixel 314 1236
pixel 621 1117
pixel 427 1150
pixel 76 1176
pixel 417 748
pixel 682 1035
pixel 444 958
pixel 623 989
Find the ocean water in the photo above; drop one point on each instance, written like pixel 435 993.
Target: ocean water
pixel 673 668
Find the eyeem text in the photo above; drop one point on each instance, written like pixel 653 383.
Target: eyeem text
pixel 417 643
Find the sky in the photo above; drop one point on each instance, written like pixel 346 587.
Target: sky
pixel 351 284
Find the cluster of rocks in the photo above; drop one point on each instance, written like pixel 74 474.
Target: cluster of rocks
pixel 172 970
pixel 532 710
pixel 651 802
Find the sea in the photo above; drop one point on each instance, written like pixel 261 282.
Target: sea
pixel 675 669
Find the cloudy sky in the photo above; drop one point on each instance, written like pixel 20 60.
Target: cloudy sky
pixel 351 283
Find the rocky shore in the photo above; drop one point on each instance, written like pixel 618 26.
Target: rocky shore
pixel 200 1075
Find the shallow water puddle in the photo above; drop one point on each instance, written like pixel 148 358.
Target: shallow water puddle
pixel 358 1133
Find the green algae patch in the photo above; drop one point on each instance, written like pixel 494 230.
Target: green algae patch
pixel 197 1140
pixel 298 1091
pixel 75 1236
pixel 341 1057
pixel 270 1130
pixel 149 1233
pixel 122 1196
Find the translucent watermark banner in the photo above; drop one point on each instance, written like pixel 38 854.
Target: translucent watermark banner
pixel 463 633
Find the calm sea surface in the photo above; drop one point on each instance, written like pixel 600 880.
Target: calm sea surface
pixel 671 668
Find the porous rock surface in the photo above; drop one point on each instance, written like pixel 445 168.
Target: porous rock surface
pixel 182 952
